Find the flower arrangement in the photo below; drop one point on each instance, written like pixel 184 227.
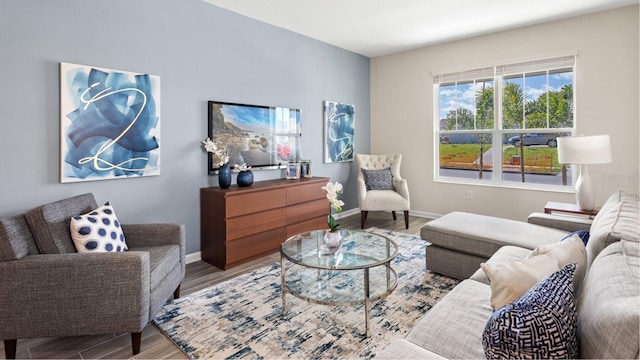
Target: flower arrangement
pixel 221 154
pixel 241 168
pixel 333 190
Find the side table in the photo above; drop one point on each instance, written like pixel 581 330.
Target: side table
pixel 566 208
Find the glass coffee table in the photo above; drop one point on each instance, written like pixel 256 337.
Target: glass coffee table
pixel 357 273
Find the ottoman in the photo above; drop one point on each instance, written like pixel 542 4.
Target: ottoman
pixel 460 241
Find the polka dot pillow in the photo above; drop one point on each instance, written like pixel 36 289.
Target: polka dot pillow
pixel 98 231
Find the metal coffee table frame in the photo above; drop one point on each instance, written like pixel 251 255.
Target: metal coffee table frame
pixel 309 250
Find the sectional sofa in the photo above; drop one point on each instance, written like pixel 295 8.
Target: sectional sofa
pixel 598 317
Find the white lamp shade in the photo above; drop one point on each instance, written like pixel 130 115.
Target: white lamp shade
pixel 584 149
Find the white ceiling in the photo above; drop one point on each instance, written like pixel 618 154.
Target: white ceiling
pixel 379 27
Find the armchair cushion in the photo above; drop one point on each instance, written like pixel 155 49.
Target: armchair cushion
pixel 16 240
pixel 50 223
pixel 98 231
pixel 378 179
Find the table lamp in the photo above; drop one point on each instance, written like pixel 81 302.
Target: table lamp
pixel 583 150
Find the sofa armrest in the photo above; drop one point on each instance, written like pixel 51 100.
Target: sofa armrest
pixel 562 222
pixel 74 294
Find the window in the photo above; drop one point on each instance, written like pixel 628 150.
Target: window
pixel 499 125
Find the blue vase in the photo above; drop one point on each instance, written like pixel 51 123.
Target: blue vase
pixel 224 176
pixel 245 178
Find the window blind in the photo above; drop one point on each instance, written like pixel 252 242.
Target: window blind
pixel 506 69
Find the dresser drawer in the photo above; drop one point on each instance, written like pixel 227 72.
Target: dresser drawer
pixel 306 211
pixel 244 249
pixel 242 226
pixel 254 202
pixel 303 193
pixel 308 225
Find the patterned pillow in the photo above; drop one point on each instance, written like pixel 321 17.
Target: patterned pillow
pixel 540 324
pixel 98 231
pixel 378 179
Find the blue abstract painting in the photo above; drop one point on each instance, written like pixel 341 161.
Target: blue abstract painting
pixel 109 123
pixel 339 124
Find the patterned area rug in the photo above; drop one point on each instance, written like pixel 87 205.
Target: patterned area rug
pixel 242 318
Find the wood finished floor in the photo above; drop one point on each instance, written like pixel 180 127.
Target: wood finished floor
pixel 199 275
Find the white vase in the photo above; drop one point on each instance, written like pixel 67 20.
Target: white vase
pixel 333 239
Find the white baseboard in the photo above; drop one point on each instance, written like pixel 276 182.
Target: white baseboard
pixel 193 257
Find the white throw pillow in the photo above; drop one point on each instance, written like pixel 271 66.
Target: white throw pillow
pixel 98 231
pixel 511 280
pixel 567 251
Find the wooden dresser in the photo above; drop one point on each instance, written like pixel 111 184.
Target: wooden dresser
pixel 239 224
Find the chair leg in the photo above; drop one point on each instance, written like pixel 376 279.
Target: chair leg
pixel 394 215
pixel 363 217
pixel 136 339
pixel 176 292
pixel 10 347
pixel 406 219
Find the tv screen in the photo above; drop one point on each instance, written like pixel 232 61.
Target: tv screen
pixel 263 137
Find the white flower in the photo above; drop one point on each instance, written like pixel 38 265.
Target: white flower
pixel 333 190
pixel 221 154
pixel 239 168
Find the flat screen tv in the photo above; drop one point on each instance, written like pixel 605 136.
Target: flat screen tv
pixel 263 137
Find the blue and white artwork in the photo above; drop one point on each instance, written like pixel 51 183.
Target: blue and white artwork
pixel 339 123
pixel 109 123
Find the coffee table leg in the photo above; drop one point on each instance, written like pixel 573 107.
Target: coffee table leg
pixel 366 302
pixel 284 302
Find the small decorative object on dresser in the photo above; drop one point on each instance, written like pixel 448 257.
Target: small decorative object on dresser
pixel 293 171
pixel 305 168
pixel 245 175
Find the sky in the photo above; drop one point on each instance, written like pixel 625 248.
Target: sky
pixel 462 95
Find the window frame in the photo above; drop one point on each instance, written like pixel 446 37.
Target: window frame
pixel 547 65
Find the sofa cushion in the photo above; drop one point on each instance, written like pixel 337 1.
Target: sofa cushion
pixel 619 218
pixel 49 223
pixel 403 349
pixel 98 231
pixel 505 254
pixel 453 327
pixel 609 307
pixel 16 240
pixel 484 235
pixel 377 179
pixel 509 281
pixel 541 324
pixel 569 250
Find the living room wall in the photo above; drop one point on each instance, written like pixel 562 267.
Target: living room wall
pixel 607 102
pixel 201 52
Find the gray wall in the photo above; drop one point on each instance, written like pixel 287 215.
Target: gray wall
pixel 201 53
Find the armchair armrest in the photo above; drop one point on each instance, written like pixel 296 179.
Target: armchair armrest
pixel 401 188
pixel 562 222
pixel 154 234
pixel 74 294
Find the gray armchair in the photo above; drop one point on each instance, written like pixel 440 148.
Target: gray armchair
pixel 48 289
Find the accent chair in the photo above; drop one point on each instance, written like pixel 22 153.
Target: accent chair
pixel 380 186
pixel 49 289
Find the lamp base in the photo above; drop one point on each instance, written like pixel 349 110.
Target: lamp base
pixel 585 196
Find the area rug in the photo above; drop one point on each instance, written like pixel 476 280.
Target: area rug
pixel 242 317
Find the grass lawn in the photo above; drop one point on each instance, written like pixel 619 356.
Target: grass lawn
pixel 464 156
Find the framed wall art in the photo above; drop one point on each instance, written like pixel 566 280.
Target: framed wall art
pixel 109 123
pixel 339 123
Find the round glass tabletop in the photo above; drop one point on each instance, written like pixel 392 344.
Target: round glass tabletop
pixel 359 250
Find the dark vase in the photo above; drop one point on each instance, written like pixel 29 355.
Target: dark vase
pixel 245 178
pixel 224 176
